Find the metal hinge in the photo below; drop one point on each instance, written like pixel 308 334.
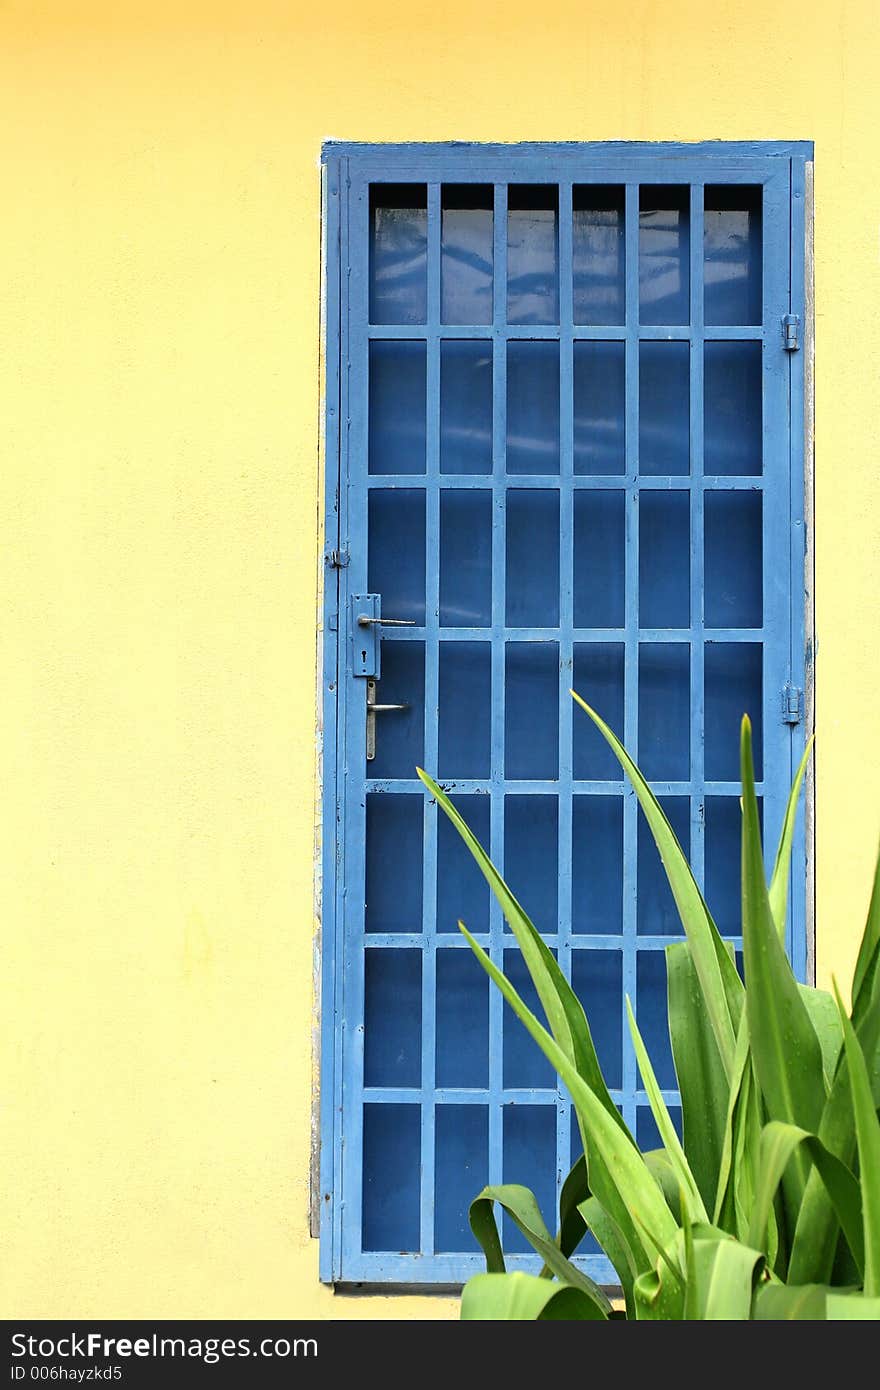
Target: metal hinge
pixel 337 559
pixel 791 332
pixel 792 704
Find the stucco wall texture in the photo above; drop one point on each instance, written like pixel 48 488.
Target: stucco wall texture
pixel 159 245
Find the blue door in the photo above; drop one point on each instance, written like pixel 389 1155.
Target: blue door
pixel 564 448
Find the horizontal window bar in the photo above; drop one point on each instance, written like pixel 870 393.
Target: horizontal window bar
pixel 682 635
pixel 646 332
pixel 477 786
pixel 602 482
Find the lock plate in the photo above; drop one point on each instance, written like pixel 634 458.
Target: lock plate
pixel 366 645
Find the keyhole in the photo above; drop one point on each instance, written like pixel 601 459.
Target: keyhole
pixel 364 658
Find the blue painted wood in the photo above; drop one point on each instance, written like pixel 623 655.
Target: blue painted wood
pixel 360 1155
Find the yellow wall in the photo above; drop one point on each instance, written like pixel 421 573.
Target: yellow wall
pixel 159 270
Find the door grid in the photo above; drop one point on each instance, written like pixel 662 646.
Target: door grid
pixel 564 413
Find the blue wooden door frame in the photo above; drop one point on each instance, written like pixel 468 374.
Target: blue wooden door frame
pixel 348 170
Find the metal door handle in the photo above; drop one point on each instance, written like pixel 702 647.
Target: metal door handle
pixel 364 620
pixel 372 710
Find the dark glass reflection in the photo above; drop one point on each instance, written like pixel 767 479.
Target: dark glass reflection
pixel 664 255
pixel 465 557
pixel 732 409
pixel 398 432
pixel 465 406
pixel 532 254
pixel 533 407
pixel 466 252
pixel 599 407
pixel 398 253
pixel 664 408
pixel 598 254
pixel 733 254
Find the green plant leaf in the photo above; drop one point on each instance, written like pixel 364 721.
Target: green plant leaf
pixel 658 1296
pixel 741 1067
pixel 868 1143
pixel 869 952
pixel 816 1231
pixel 825 1019
pixel 665 1127
pixel 851 1307
pixel 624 1185
pixel 523 1298
pixel 785 1050
pixel 721 986
pixel 481 1217
pixel 613 1242
pixel 790 1303
pixel 721 1276
pixel 658 1163
pixel 778 1142
pixel 522 1207
pixel 704 1087
pixel 575 1190
pixel 778 891
pixel 564 1011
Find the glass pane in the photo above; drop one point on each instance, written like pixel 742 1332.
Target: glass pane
pixel 530 1159
pixel 598 679
pixel 462 1054
pixel 531 853
pixel 465 681
pixel 732 409
pixel 396 565
pixel 400 734
pixel 532 575
pixel 524 1064
pixel 533 407
pixel 462 892
pixel 531 710
pixel 392 1170
pixel 723 856
pixel 397 407
pixel 652 1016
pixel 597 864
pixel 465 558
pixel 466 254
pixel 461 1170
pixel 598 254
pixel 647 1133
pixel 733 564
pixel 664 255
pixel 656 913
pixel 664 408
pixel 532 254
pixel 734 683
pixel 599 408
pixel 394 836
pixel 599 558
pixel 465 407
pixel 732 253
pixel 392 1018
pixel 664 559
pixel 398 253
pixel 664 711
pixel 597 980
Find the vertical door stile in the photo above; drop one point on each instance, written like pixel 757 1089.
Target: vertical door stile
pixel 698 794
pixel 566 636
pixel 499 542
pixel 631 653
pixel 432 663
pixel 799 363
